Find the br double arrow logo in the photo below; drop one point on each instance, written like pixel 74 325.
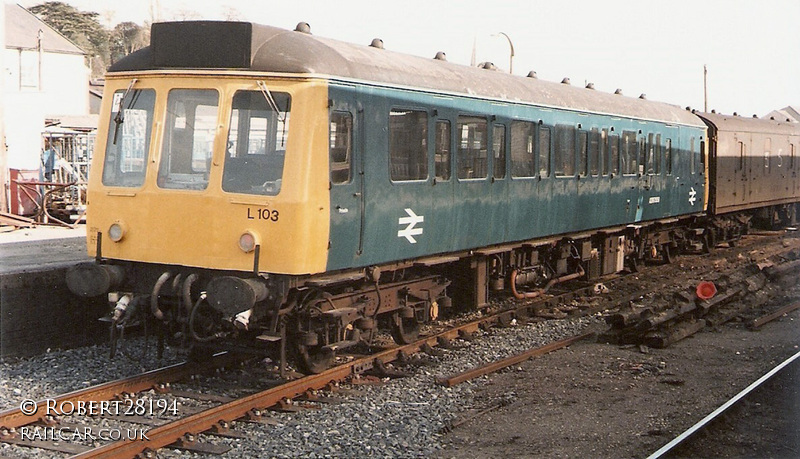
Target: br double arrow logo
pixel 411 221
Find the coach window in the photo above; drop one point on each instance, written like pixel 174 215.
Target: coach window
pixel 443 158
pixel 188 139
pixel 629 154
pixel 583 154
pixel 499 151
pixel 128 141
pixel 691 156
pixel 544 152
pixel 651 155
pixel 657 155
pixel 594 152
pixel 604 154
pixel 472 146
pixel 767 150
pixel 668 156
pixel 613 151
pixel 256 145
pixel 408 145
pixel 522 141
pixel 341 146
pixel 565 151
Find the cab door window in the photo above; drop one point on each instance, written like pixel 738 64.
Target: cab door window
pixel 128 142
pixel 341 146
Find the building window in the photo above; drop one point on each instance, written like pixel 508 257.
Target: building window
pixel 341 146
pixel 472 145
pixel 408 145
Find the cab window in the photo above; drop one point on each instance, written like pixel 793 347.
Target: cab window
pixel 256 145
pixel 191 125
pixel 128 141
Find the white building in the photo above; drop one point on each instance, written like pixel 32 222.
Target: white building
pixel 44 76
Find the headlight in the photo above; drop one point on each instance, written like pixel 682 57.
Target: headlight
pixel 116 232
pixel 247 242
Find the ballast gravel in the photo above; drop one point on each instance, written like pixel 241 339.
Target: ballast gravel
pixel 402 418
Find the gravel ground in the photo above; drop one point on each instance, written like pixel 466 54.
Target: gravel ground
pixel 402 418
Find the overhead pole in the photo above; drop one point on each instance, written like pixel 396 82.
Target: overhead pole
pixel 511 57
pixel 705 88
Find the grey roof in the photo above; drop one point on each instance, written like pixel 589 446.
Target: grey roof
pixel 787 113
pixel 730 123
pixel 273 49
pixel 22 29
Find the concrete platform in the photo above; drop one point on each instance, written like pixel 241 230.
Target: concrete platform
pixel 37 311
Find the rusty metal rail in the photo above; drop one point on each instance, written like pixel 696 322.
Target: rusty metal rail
pixel 513 360
pixel 14 418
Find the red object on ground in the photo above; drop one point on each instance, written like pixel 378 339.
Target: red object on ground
pixel 706 290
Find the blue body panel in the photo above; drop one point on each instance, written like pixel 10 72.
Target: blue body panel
pixel 457 215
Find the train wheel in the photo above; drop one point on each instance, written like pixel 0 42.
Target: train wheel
pixel 404 330
pixel 315 359
pixel 666 254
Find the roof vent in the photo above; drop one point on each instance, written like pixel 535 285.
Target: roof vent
pixel 755 116
pixel 303 27
pixel 771 117
pixel 735 114
pixel 618 92
pixel 590 86
pixel 688 109
pixel 713 111
pixel 565 80
pixel 487 66
pixel 532 74
pixel 643 96
pixel 440 56
pixel 377 43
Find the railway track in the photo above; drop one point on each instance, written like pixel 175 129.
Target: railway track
pixel 183 432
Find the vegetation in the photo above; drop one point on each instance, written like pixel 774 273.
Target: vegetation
pixel 103 46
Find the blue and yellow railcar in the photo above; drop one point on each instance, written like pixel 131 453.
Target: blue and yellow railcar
pixel 256 182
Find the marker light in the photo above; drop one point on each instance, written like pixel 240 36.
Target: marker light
pixel 247 242
pixel 116 232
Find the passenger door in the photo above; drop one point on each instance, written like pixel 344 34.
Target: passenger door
pixel 346 178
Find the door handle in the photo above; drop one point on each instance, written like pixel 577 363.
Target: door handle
pixel 357 195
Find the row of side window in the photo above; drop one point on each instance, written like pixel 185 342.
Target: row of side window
pixel 769 156
pixel 598 152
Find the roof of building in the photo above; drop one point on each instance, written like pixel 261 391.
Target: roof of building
pixel 254 47
pixel 22 32
pixel 790 113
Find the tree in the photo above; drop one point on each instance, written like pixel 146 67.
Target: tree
pixel 82 27
pixel 126 38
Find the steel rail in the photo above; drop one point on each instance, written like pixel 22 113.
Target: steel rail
pixel 770 317
pixel 14 418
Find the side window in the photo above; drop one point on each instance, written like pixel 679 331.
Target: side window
pixel 188 139
pixel 767 152
pixel 650 161
pixel 629 155
pixel 657 156
pixel 341 146
pixel 472 147
pixel 565 151
pixel 691 156
pixel 499 151
pixel 583 154
pixel 522 149
pixel 443 158
pixel 791 156
pixel 408 148
pixel 544 151
pixel 668 156
pixel 742 154
pixel 594 152
pixel 613 149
